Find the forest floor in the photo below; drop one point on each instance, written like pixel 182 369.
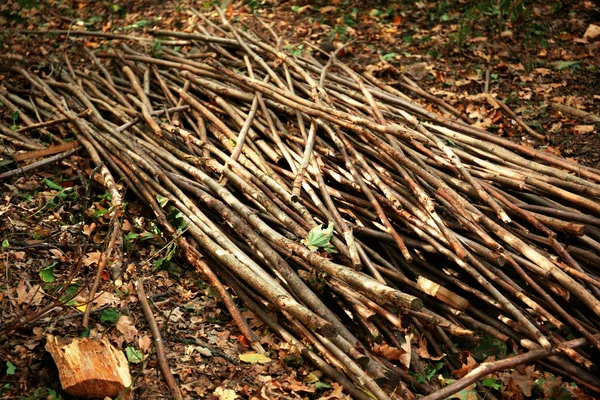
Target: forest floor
pixel 531 58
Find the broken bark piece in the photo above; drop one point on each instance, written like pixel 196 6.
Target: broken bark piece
pixel 90 368
pixel 441 293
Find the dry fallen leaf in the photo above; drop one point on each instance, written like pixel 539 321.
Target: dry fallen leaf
pixel 300 10
pixel 126 327
pixel 389 352
pixel 88 229
pixel 33 296
pixel 592 32
pixel 225 394
pixel 423 352
pixel 525 381
pixel 542 71
pixel 325 10
pixel 92 258
pixel 254 358
pixel 418 71
pixel 144 343
pixel 582 129
pixel 466 368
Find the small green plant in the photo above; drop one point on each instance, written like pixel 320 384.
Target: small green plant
pixel 319 238
pixel 351 17
pixel 323 386
pixel 29 3
pixel 69 294
pixel 15 117
pixel 134 356
pixel 432 369
pixel 47 273
pixel 294 50
pixel 94 20
pixel 492 383
pixel 11 368
pixel 388 56
pixel 499 15
pixel 110 316
pixel 64 195
pixel 156 49
pixel 340 31
pixel 45 393
pixel 143 23
pixel 165 263
pixel 253 5
pixel 176 218
pixel 490 346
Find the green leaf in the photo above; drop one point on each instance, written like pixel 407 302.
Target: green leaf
pixel 323 385
pixel 133 355
pixel 47 273
pixel 176 218
pixel 388 56
pixel 70 293
pixel 10 368
pixel 162 200
pixel 432 369
pixel 466 394
pixel 311 378
pixel 319 238
pixel 254 358
pixel 491 383
pixel 559 66
pixel 51 184
pixel 109 315
pixel 490 346
pixel 5 243
pixel 46 393
pixel 99 213
pixel 14 115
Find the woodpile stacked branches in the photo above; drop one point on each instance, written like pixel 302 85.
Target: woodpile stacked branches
pixel 350 219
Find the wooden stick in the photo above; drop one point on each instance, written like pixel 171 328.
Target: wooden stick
pixel 158 343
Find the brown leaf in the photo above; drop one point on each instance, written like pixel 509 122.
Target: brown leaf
pixel 525 381
pixel 592 33
pixel 466 368
pixel 553 150
pixel 144 343
pixel 32 296
pixel 301 10
pixel 389 352
pixel 542 71
pixel 327 9
pixel 582 129
pixel 92 258
pixel 88 229
pixel 418 71
pixel 225 394
pixel 126 327
pixel 423 352
pixel 336 393
pixel 58 254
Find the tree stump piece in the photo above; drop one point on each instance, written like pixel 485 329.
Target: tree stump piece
pixel 90 368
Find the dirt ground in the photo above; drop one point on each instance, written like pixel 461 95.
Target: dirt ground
pixel 529 58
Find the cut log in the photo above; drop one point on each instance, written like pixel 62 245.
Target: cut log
pixel 90 368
